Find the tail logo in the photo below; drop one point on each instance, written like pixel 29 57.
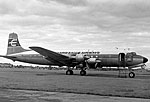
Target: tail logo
pixel 13 42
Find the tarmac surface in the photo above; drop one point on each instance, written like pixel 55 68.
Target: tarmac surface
pixel 37 85
pixel 9 95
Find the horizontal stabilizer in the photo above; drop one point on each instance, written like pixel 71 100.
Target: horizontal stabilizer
pixel 8 57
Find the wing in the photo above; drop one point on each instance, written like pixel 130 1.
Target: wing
pixel 52 56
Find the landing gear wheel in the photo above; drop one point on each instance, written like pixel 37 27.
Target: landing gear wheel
pixel 131 74
pixel 69 72
pixel 82 72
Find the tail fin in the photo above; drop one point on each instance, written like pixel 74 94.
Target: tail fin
pixel 14 45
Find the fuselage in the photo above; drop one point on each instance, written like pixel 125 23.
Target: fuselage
pixel 106 60
pixel 113 60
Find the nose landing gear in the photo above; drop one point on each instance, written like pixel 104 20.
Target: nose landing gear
pixel 131 74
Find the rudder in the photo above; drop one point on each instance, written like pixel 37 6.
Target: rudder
pixel 14 45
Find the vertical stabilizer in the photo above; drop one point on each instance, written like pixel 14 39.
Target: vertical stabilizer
pixel 14 45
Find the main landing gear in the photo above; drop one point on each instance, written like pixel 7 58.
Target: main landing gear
pixel 70 72
pixel 82 72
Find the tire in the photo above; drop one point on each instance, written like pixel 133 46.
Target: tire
pixel 82 72
pixel 131 74
pixel 69 72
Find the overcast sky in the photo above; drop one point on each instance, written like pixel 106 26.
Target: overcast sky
pixel 77 25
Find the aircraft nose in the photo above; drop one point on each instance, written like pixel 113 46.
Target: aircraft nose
pixel 145 60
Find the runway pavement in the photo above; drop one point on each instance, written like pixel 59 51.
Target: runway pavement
pixel 101 85
pixel 8 95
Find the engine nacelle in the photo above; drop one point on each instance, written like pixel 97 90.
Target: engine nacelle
pixel 79 58
pixel 80 66
pixel 93 62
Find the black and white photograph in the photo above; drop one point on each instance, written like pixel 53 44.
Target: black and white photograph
pixel 74 50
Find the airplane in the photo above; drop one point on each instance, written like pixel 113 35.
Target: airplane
pixel 82 60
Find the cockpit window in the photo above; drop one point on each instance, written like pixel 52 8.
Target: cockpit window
pixel 133 53
pixel 129 57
